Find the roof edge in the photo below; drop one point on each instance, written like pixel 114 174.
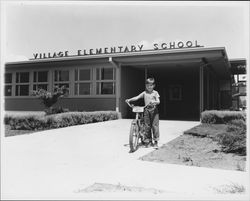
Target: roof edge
pixel 102 56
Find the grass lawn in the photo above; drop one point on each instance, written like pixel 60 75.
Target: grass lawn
pixel 197 147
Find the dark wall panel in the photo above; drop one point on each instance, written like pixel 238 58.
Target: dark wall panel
pixel 73 104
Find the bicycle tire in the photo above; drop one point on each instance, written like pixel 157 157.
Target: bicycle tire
pixel 134 136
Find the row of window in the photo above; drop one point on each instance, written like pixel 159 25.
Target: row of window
pixel 98 81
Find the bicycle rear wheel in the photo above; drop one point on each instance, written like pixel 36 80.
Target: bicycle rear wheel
pixel 134 136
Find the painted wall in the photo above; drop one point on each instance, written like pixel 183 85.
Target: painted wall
pixel 91 103
pixel 73 104
pixel 132 84
pixel 188 78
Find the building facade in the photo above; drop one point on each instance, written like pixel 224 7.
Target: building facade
pixel 189 81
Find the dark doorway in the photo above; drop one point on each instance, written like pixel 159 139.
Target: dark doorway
pixel 177 84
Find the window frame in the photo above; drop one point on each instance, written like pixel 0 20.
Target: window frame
pixel 54 83
pixel 171 97
pixel 16 84
pixel 99 81
pixel 78 81
pixel 36 83
pixel 9 84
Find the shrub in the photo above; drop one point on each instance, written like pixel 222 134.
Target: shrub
pixel 234 140
pixel 49 99
pixel 221 117
pixel 238 123
pixel 55 110
pixel 59 120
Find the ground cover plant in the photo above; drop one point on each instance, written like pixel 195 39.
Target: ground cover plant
pixel 48 99
pixel 35 122
pixel 214 144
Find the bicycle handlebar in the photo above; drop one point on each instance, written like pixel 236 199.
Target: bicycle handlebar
pixel 131 105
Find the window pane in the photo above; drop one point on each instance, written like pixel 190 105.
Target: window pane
pixel 8 77
pixel 8 90
pixel 22 90
pixel 106 88
pixel 64 75
pixel 175 92
pixel 43 76
pixel 84 74
pixel 84 88
pixel 98 74
pixel 64 84
pixel 107 74
pixel 24 77
pixel 76 75
pixel 40 86
pixel 17 77
pixel 56 75
pixel 35 77
pixel 76 89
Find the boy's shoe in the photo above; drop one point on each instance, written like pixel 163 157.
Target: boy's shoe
pixel 156 144
pixel 150 144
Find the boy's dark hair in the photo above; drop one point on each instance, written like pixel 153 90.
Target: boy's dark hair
pixel 150 80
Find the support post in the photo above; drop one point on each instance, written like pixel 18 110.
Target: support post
pixel 201 89
pixel 207 105
pixel 117 83
pixel 238 91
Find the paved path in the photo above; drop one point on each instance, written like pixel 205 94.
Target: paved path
pixel 60 163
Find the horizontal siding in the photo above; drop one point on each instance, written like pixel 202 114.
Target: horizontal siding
pixel 73 104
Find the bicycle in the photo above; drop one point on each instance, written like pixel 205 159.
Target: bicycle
pixel 137 129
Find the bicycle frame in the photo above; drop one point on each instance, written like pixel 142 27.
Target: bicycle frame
pixel 137 130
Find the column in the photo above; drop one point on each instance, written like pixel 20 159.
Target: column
pixel 207 73
pixel 118 87
pixel 201 88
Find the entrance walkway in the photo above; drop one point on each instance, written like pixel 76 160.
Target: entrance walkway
pixel 60 163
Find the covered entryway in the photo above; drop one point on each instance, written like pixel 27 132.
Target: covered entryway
pixel 177 84
pixel 188 82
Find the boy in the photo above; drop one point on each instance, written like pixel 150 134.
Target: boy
pixel 151 114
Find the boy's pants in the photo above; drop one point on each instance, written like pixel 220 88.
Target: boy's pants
pixel 151 120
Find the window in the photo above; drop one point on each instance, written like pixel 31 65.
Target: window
pixel 8 78
pixel 61 78
pixel 105 78
pixel 8 84
pixel 83 81
pixel 22 84
pixel 175 92
pixel 40 80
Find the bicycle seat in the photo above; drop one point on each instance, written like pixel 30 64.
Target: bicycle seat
pixel 138 109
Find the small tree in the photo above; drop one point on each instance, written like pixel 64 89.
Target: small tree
pixel 49 98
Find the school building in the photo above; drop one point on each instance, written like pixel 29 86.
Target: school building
pixel 189 80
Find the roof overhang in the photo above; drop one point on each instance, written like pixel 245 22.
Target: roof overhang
pixel 214 57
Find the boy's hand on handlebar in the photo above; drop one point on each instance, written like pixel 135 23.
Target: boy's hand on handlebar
pixel 127 101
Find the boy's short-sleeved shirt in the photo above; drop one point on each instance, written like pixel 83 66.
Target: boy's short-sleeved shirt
pixel 148 97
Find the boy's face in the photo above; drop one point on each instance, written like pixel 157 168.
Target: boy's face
pixel 150 87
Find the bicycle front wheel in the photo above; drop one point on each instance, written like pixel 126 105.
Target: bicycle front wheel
pixel 134 136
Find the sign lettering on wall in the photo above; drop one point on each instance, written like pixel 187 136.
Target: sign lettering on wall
pixel 119 49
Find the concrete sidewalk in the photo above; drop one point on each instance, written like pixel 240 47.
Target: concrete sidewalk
pixel 60 163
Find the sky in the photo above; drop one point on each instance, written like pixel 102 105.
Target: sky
pixel 40 27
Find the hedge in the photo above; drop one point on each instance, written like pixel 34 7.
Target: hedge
pixel 35 122
pixel 221 117
pixel 234 140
